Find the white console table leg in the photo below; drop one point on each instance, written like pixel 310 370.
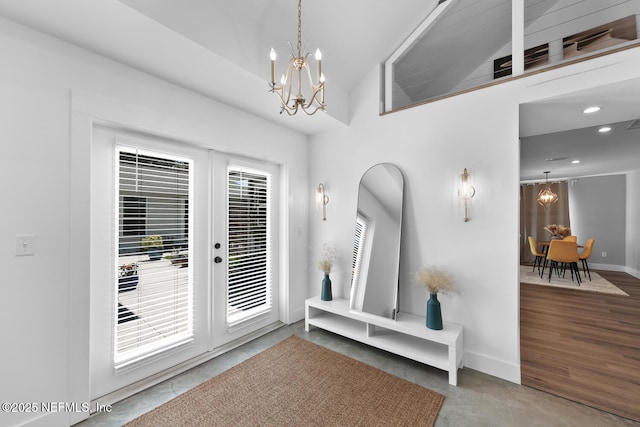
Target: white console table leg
pixel 453 366
pixel 455 359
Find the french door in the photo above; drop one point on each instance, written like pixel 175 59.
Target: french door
pixel 183 254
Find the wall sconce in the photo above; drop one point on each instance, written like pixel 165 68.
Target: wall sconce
pixel 466 192
pixel 322 200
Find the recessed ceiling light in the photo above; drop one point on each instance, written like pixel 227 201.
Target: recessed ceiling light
pixel 590 110
pixel 604 129
pixel 575 162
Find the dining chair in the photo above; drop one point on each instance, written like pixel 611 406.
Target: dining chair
pixel 562 253
pixel 533 246
pixel 586 255
pixel 570 238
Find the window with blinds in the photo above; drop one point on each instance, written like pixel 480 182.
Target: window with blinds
pixel 358 248
pixel 153 285
pixel 249 287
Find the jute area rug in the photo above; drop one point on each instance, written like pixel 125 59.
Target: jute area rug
pixel 299 383
pixel 596 284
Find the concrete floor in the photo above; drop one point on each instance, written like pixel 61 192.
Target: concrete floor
pixel 478 400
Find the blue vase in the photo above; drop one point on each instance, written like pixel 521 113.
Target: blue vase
pixel 434 313
pixel 326 289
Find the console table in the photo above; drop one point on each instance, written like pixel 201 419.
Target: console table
pixel 407 336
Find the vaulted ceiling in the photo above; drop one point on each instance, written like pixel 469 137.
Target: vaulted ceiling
pixel 220 49
pixel 354 35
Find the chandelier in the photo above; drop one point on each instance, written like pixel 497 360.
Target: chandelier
pixel 546 197
pixel 290 89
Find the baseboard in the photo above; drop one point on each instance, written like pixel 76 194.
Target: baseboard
pixel 632 271
pixel 297 315
pixel 607 267
pixel 622 268
pixel 491 366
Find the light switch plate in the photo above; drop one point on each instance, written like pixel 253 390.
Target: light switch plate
pixel 25 244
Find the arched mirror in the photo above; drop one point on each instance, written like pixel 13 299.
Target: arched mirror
pixel 376 251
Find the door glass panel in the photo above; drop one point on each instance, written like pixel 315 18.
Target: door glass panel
pixel 153 280
pixel 249 244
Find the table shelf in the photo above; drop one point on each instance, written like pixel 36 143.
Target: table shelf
pixel 407 336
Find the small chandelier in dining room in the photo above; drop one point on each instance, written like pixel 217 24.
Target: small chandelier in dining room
pixel 292 80
pixel 546 197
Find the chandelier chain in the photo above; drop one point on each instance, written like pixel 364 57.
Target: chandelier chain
pixel 299 27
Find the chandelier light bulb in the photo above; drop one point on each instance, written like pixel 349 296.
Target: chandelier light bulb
pixel 272 55
pixel 546 198
pixel 318 55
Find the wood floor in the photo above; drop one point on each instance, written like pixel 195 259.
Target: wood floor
pixel 584 346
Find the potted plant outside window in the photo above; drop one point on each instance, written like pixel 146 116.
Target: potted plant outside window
pixel 179 259
pixel 153 246
pixel 128 277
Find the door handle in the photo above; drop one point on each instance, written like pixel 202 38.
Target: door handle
pixel 217 260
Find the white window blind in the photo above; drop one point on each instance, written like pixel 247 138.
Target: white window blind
pixel 249 289
pixel 358 248
pixel 153 286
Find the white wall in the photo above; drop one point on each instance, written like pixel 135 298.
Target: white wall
pixel 432 144
pixel 597 208
pixel 49 94
pixel 633 223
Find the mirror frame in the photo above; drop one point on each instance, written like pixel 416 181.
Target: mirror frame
pixel 381 188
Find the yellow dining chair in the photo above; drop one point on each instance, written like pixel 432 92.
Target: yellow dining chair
pixel 571 238
pixel 534 251
pixel 586 255
pixel 563 253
